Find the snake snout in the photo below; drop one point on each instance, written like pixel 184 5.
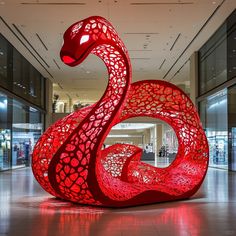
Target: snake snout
pixel 67 59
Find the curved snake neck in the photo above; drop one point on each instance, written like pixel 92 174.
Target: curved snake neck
pixel 89 136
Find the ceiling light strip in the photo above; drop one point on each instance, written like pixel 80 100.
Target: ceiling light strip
pixel 54 3
pixel 25 46
pixel 41 41
pixel 56 64
pixel 179 69
pixel 203 26
pixel 175 41
pixel 22 35
pixel 162 64
pixel 160 3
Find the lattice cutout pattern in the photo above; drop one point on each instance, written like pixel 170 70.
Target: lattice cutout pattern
pixel 68 160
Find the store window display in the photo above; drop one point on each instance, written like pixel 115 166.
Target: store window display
pixel 5 148
pixel 214 117
pixel 26 129
pixel 5 137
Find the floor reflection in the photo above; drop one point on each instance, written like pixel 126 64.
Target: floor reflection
pixel 64 218
pixel 27 210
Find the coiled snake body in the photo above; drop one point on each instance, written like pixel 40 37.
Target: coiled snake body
pixel 68 160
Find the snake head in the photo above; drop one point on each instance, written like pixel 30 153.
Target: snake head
pixel 81 37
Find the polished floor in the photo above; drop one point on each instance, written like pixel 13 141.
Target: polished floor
pixel 25 209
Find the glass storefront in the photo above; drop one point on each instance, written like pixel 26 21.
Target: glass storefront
pixel 26 129
pixel 213 61
pixel 214 116
pixel 20 128
pixel 232 126
pixel 6 58
pixel 19 77
pixel 217 66
pixel 21 107
pixel 27 81
pixel 231 46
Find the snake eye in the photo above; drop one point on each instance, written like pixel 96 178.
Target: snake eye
pixel 84 39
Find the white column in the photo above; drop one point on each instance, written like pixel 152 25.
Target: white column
pixel 159 139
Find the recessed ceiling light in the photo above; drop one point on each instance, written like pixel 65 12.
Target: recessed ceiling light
pixel 213 2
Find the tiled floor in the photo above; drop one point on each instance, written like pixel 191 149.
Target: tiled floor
pixel 25 209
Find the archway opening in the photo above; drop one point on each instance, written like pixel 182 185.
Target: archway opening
pixel 156 138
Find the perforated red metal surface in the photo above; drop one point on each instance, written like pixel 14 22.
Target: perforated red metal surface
pixel 68 160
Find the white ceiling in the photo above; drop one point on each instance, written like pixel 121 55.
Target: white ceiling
pixel 148 28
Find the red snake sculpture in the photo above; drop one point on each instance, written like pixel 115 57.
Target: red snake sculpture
pixel 68 160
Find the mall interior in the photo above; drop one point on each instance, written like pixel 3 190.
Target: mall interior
pixel 190 43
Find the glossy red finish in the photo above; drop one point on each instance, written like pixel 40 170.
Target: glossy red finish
pixel 68 59
pixel 68 160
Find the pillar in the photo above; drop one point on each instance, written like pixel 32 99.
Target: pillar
pixel 194 77
pixel 159 136
pixel 48 102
